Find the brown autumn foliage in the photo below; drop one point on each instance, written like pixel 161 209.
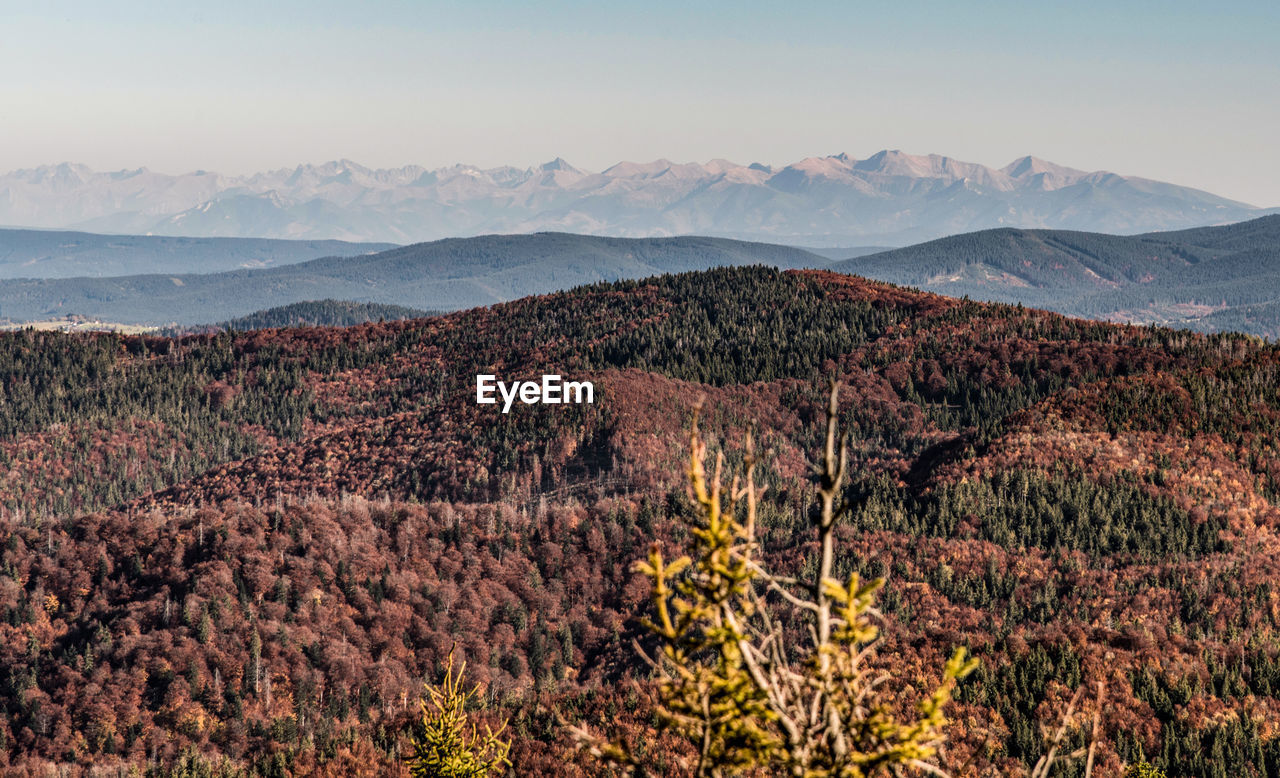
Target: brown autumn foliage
pixel 276 596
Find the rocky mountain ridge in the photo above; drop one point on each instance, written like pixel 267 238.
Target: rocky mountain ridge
pixel 889 198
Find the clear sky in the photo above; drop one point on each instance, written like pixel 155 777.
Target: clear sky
pixel 1179 91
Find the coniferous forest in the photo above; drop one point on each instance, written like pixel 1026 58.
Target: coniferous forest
pixel 244 552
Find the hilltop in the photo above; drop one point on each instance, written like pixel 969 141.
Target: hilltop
pixel 323 313
pixel 1212 278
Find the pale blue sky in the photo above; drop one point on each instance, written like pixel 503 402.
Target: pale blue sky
pixel 1185 92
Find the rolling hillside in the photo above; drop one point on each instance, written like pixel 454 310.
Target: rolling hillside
pixel 59 254
pixel 1211 278
pixel 444 275
pixel 241 553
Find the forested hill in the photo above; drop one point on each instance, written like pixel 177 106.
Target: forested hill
pixel 445 275
pixel 323 313
pixel 1211 278
pixel 244 551
pixel 64 254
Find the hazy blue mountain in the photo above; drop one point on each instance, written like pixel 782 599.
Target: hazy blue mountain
pixel 834 253
pixel 889 198
pixel 60 254
pixel 444 275
pixel 1209 278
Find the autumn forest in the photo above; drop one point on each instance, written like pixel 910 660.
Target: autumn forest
pixel 243 552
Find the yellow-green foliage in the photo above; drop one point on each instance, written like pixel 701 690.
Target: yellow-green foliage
pixel 729 679
pixel 1144 770
pixel 446 743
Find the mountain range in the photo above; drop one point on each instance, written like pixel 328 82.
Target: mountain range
pixel 1211 279
pixel 889 198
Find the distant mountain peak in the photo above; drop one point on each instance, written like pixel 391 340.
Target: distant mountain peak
pixel 888 198
pixel 895 162
pixel 1023 167
pixel 559 164
pixel 719 165
pixel 638 169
